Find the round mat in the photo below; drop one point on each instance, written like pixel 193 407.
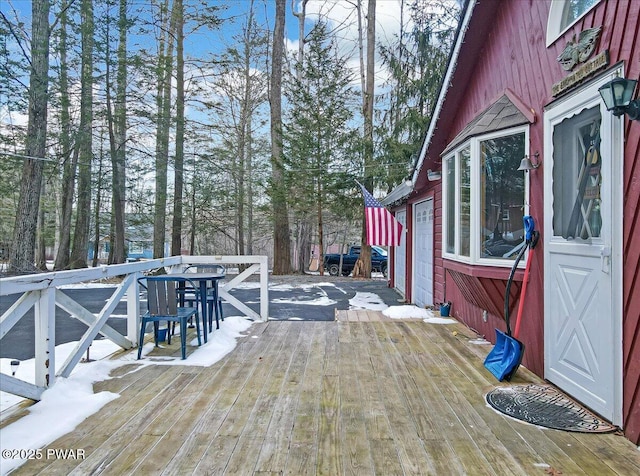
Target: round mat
pixel 544 405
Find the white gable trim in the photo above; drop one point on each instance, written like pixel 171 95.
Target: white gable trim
pixel 453 62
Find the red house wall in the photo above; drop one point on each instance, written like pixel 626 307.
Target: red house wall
pixel 513 55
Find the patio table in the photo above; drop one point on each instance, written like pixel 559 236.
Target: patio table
pixel 203 279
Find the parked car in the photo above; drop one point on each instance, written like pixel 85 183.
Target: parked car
pixel 378 261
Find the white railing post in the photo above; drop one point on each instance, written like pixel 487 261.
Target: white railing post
pixel 264 288
pixel 45 338
pixel 133 310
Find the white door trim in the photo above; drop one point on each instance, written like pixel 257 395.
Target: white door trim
pixel 586 97
pixel 397 264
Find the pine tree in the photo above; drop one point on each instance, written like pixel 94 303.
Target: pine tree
pixel 416 61
pixel 320 134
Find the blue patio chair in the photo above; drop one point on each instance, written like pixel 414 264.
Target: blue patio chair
pixel 213 297
pixel 162 305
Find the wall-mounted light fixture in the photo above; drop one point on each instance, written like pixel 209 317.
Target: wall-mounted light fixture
pixel 617 95
pixel 434 175
pixel 527 164
pixel 14 366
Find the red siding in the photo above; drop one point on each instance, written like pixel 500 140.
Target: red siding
pixel 505 49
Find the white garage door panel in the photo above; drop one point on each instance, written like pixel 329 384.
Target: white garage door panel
pixel 423 258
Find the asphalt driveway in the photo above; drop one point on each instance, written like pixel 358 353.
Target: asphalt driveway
pixel 292 297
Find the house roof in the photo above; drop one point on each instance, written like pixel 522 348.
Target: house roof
pixel 508 111
pixel 401 191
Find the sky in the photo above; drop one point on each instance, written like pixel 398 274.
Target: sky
pixel 340 15
pixel 74 396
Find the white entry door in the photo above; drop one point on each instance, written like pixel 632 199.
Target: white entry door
pixel 423 253
pixel 400 256
pixel 582 321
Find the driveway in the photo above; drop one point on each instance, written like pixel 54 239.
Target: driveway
pixel 291 297
pixel 316 298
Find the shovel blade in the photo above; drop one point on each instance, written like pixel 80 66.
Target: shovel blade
pixel 505 358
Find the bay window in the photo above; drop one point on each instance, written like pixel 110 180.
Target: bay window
pixel 484 198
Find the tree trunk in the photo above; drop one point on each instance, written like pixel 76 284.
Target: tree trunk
pixel 69 162
pixel 113 150
pixel 249 186
pixel 41 255
pixel 84 142
pixel 176 228
pixel 192 229
pixel 96 213
pixel 281 238
pixel 362 268
pixel 163 102
pixel 118 139
pixel 363 76
pixel 21 254
pixel 320 238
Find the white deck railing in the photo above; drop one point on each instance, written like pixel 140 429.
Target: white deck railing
pixel 39 291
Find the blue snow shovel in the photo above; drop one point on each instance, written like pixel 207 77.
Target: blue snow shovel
pixel 507 354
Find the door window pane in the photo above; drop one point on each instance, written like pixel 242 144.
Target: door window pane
pixel 502 191
pixel 576 176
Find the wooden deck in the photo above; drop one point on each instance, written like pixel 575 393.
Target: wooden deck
pixel 363 395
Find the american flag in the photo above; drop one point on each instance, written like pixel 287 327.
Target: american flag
pixel 382 227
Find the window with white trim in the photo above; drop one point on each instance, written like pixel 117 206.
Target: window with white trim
pixel 563 14
pixel 484 198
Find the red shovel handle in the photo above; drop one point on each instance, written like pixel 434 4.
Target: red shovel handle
pixel 523 293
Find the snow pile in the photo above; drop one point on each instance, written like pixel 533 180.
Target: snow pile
pixel 440 320
pixel 367 301
pixel 414 312
pixel 407 312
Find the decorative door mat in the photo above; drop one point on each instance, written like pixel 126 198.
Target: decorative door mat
pixel 543 405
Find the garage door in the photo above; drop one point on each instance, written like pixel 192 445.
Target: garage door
pixel 423 256
pixel 399 258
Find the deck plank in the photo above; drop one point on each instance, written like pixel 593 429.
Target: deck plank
pixel 237 409
pixel 273 454
pixel 357 457
pixel 362 395
pixel 412 453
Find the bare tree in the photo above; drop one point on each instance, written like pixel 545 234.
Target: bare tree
pixel 117 123
pixel 163 102
pixel 176 228
pixel 69 159
pixel 281 239
pixel 362 268
pixel 21 255
pixel 84 142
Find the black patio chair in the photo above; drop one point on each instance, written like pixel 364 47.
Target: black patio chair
pixel 163 305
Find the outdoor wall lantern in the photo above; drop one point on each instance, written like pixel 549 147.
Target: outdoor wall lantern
pixel 14 366
pixel 527 164
pixel 433 175
pixel 617 95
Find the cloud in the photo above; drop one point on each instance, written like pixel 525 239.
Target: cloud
pixel 342 18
